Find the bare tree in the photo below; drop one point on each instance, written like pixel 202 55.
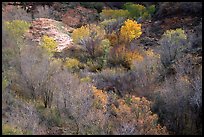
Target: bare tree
pixel 37 71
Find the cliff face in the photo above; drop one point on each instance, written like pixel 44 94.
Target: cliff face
pixel 173 9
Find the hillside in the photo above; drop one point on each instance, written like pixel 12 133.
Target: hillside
pixel 102 68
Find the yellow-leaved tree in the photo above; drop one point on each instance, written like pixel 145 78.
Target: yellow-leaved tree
pixel 130 30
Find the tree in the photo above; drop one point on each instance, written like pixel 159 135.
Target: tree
pixel 37 70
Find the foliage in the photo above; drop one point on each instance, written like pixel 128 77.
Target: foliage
pixel 49 44
pixel 143 72
pixel 195 40
pixel 185 88
pixel 130 30
pixel 114 14
pixel 44 12
pixel 17 28
pixel 80 33
pixel 94 5
pixel 89 37
pixel 37 70
pixel 112 28
pixel 135 10
pixel 136 113
pixel 106 22
pixel 51 116
pixel 122 89
pixel 151 9
pixel 105 45
pixel 86 31
pixel 85 79
pixel 5 82
pixel 173 42
pixel 113 38
pixel 122 56
pixel 16 13
pixel 100 99
pixel 131 56
pixel 95 65
pixel 146 72
pixel 72 63
pixel 10 130
pixel 139 11
pixel 111 25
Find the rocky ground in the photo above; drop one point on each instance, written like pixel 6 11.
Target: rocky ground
pixel 55 29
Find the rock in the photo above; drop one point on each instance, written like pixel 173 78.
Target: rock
pixel 55 29
pixel 78 16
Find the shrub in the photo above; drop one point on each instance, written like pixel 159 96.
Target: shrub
pixel 107 22
pixel 86 79
pixel 18 116
pixel 89 37
pixel 177 91
pixel 72 63
pixel 185 88
pixel 172 43
pixel 95 65
pixel 146 73
pixel 117 57
pixel 10 130
pixel 195 40
pixel 122 56
pixel 139 11
pixel 10 47
pixel 151 9
pixel 43 12
pixel 113 38
pixel 141 77
pixel 114 14
pixel 17 28
pixel 94 5
pixel 120 114
pixel 130 30
pixel 16 13
pixel 112 25
pixel 113 80
pixel 112 28
pixel 131 56
pixel 136 112
pixel 51 117
pixel 49 44
pixel 5 83
pixel 37 70
pixel 135 10
pixel 86 31
pixel 80 33
pixel 103 51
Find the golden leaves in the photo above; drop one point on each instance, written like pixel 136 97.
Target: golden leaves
pixel 86 31
pixel 130 30
pixel 49 44
pixel 100 96
pixel 72 63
